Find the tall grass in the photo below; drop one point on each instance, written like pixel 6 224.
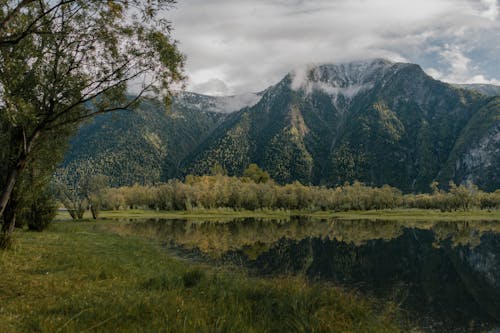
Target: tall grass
pixel 83 278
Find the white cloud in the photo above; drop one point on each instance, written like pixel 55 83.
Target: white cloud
pixel 491 9
pixel 458 62
pixel 434 73
pixel 214 86
pixel 251 44
pixel 482 79
pixel 458 67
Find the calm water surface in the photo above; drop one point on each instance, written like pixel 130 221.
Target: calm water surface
pixel 445 275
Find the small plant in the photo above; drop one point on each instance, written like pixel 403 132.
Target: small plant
pixel 192 277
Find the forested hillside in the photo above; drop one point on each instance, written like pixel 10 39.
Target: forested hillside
pixel 143 146
pixel 375 121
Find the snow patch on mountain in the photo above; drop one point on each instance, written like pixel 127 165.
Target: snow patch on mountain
pixel 347 80
pixel 220 104
pixel 230 104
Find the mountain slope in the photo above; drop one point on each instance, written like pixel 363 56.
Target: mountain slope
pixel 374 121
pixel 476 154
pixel 144 146
pixel 377 122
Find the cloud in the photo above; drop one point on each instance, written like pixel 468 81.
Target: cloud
pixel 215 87
pixel 251 44
pixel 459 63
pixel 491 9
pixel 458 67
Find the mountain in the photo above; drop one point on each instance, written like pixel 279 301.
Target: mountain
pixel 485 89
pixel 375 121
pixel 147 145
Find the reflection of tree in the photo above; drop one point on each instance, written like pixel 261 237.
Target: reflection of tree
pixel 447 270
pixel 255 236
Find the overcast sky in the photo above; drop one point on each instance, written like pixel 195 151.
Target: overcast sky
pixel 238 46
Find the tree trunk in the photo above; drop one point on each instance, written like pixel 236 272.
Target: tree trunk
pixel 11 182
pixel 93 211
pixel 9 223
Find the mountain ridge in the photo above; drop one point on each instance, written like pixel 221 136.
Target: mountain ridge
pixel 375 121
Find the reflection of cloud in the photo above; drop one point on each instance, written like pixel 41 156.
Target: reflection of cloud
pixel 251 44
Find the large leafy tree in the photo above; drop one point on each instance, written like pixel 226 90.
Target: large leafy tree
pixel 64 61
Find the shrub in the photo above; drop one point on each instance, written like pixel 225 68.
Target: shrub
pixel 41 212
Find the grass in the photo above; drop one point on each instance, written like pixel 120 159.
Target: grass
pixel 421 215
pixel 202 214
pixel 81 277
pixel 386 214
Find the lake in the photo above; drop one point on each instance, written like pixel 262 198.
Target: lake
pixel 445 276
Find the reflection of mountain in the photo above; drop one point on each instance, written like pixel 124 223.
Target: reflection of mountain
pixel 447 272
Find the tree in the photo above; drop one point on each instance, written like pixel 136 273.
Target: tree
pixel 32 197
pixel 256 174
pixel 68 188
pixel 93 188
pixel 79 187
pixel 65 61
pixel 218 169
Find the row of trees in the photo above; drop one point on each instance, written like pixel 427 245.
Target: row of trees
pixel 250 193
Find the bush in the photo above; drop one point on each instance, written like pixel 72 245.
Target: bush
pixel 40 213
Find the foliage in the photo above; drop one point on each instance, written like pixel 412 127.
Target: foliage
pixel 145 146
pixel 256 174
pixel 69 193
pixel 32 197
pixel 62 62
pixel 41 213
pixel 211 192
pixel 80 188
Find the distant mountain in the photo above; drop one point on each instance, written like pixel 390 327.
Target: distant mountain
pixel 147 145
pixel 218 104
pixel 486 89
pixel 375 121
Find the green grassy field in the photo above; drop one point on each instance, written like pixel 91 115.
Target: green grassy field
pixel 387 214
pixel 82 277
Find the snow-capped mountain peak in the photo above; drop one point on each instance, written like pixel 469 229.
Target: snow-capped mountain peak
pixel 346 79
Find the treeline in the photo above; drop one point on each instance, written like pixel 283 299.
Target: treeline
pixel 247 193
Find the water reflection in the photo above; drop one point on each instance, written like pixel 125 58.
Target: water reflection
pixel 447 272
